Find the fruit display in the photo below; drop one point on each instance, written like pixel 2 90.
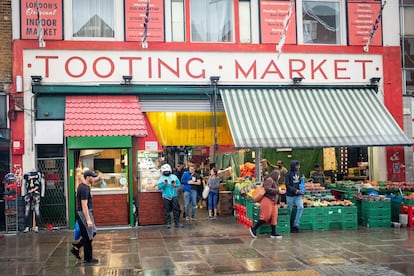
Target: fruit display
pixel 362 197
pixel 325 203
pixel 314 188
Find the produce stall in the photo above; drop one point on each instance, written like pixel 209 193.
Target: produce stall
pixel 321 210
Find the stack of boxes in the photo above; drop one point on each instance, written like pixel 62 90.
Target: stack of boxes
pixel 374 214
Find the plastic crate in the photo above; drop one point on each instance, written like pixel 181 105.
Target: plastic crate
pixel 375 204
pixel 306 219
pixel 376 222
pixel 250 209
pixel 349 210
pixel 283 219
pixel 376 212
pixel 335 218
pixel 320 212
pixel 283 211
pixel 282 230
pixel 409 202
pixel 307 211
pixel 350 218
pixel 335 225
pixel 350 225
pixel 321 226
pixel 335 210
pixel 306 226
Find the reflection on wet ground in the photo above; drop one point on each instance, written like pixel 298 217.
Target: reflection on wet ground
pixel 220 247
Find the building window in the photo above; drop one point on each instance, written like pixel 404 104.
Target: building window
pixel 408 53
pixel 177 20
pixel 409 82
pixel 245 21
pixel 408 23
pixel 212 21
pixel 322 22
pixel 93 18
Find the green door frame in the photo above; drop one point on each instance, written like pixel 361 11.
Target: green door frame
pixel 97 142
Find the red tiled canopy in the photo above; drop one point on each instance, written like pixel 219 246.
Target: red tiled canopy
pixel 104 116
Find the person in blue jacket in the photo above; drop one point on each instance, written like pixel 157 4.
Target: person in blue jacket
pixel 168 184
pixel 293 192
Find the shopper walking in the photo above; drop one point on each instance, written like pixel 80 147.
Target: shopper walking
pixel 268 205
pixel 191 181
pixel 293 193
pixel 84 215
pixel 213 182
pixel 168 184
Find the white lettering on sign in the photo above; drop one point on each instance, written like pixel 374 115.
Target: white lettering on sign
pixel 190 68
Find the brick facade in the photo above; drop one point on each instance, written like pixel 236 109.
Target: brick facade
pixel 5 45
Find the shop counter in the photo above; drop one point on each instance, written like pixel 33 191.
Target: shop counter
pixel 110 207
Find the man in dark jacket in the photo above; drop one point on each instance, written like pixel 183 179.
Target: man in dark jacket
pixel 293 193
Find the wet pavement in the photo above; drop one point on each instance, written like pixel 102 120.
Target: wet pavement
pixel 220 247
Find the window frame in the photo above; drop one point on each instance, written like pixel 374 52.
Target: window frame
pixel 342 22
pixel 119 15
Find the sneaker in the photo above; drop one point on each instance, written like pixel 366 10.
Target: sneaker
pixel 277 236
pixel 26 230
pixel 168 226
pixel 92 261
pixel 193 219
pixel 215 217
pixel 252 233
pixel 187 218
pixel 36 229
pixel 201 207
pixel 196 206
pixel 210 217
pixel 295 229
pixel 75 252
pixel 179 225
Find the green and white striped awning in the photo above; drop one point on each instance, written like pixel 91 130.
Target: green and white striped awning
pixel 309 118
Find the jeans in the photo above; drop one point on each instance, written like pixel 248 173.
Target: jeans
pixel 212 200
pixel 190 197
pixel 290 200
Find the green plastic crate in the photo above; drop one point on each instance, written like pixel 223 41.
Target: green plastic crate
pixel 350 218
pixel 320 212
pixel 350 225
pixel 307 211
pixel 306 226
pixel 306 219
pixel 335 225
pixel 250 209
pixel 349 210
pixel 321 226
pixel 282 230
pixel 335 218
pixel 283 211
pixel 283 219
pixel 376 222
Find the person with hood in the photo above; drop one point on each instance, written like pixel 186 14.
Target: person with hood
pixel 293 192
pixel 268 205
pixel 168 184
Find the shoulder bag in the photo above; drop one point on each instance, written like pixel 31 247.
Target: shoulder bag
pixel 258 193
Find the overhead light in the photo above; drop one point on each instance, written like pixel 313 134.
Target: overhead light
pixel 127 79
pixel 214 79
pixel 36 79
pixel 296 80
pixel 374 81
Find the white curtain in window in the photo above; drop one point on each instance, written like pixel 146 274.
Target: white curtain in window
pixel 212 20
pixel 93 18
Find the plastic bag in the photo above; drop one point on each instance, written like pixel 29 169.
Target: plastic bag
pixel 77 232
pixel 206 191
